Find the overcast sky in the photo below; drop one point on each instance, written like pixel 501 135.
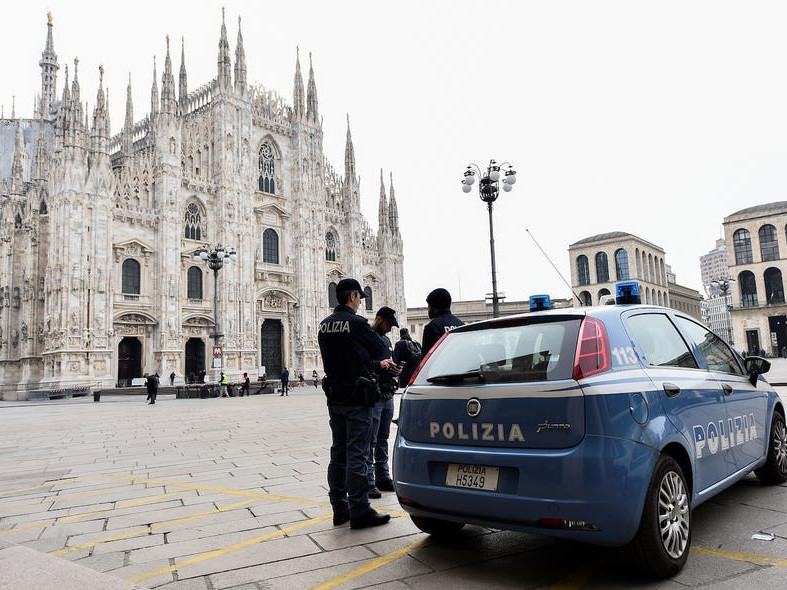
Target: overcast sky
pixel 653 118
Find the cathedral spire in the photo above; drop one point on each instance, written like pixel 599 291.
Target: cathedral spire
pixel 349 155
pixel 224 62
pixel 128 124
pixel 297 93
pixel 49 69
pixel 393 211
pixel 240 64
pixel 382 212
pixel 183 91
pixel 19 163
pixel 100 130
pixel 154 91
pixel 311 96
pixel 168 100
pixel 41 159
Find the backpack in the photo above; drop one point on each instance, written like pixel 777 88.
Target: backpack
pixel 414 350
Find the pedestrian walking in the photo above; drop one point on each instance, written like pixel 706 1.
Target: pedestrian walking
pixel 245 385
pixel 151 382
pixel 172 378
pixel 315 378
pixel 378 473
pixel 223 382
pixel 439 308
pixel 285 382
pixel 351 352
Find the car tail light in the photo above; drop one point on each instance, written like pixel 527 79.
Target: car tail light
pixel 592 349
pixel 426 356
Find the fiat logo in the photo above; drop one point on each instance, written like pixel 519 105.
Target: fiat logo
pixel 473 407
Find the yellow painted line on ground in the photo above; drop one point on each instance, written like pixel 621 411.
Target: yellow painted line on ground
pixel 370 566
pixel 58 498
pixel 747 557
pixel 225 550
pixel 152 528
pixel 245 493
pixel 43 485
pixel 573 581
pixel 63 519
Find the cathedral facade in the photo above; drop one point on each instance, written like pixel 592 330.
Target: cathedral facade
pixel 98 233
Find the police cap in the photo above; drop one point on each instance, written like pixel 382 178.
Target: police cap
pixel 349 285
pixel 439 298
pixel 389 315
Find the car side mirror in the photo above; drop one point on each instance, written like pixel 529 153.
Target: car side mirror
pixel 756 366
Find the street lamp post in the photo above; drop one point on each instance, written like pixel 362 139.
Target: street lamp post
pixel 488 190
pixel 215 259
pixel 723 285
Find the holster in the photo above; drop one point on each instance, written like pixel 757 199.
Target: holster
pixel 366 390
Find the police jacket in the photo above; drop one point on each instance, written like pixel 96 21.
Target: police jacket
pixel 349 349
pixel 402 353
pixel 443 322
pixel 387 380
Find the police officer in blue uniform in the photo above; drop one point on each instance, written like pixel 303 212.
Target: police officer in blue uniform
pixel 351 354
pixel 439 308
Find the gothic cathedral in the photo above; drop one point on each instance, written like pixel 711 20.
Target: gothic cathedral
pixel 98 278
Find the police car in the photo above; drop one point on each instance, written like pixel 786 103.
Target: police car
pixel 606 425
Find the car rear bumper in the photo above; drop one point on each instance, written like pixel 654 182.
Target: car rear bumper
pixel 602 481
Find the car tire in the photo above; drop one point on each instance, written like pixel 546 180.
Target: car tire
pixel 436 527
pixel 663 540
pixel 774 470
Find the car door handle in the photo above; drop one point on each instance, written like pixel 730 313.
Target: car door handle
pixel 671 389
pixel 727 388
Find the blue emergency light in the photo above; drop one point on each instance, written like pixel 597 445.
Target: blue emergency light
pixel 540 303
pixel 627 292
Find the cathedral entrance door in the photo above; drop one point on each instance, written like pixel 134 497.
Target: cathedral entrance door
pixel 129 361
pixel 271 348
pixel 195 359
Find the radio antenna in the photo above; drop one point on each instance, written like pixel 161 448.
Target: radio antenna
pixel 555 267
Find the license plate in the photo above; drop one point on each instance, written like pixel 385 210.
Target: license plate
pixel 476 477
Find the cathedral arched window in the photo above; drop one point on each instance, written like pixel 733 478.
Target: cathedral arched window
pixel 330 247
pixel 602 268
pixel 332 300
pixel 583 270
pixel 267 182
pixel 270 246
pixel 368 292
pixel 42 210
pixel 194 281
pixel 130 274
pixel 193 223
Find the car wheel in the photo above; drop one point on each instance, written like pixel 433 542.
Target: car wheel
pixel 775 468
pixel 664 536
pixel 436 527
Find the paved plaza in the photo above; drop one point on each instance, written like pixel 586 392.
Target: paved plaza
pixel 193 494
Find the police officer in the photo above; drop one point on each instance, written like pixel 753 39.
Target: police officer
pixel 351 354
pixel 379 474
pixel 439 308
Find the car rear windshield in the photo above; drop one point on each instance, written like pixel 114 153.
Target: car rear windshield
pixel 533 351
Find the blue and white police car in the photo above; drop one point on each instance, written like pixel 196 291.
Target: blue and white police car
pixel 606 425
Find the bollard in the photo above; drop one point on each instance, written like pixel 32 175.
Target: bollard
pixel 96 396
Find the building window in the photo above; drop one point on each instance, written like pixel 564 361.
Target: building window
pixel 330 247
pixel 130 275
pixel 622 265
pixel 602 268
pixel 332 301
pixel 742 242
pixel 194 281
pixel 774 287
pixel 193 223
pixel 368 292
pixel 601 294
pixel 585 299
pixel 267 183
pixel 270 246
pixel 748 287
pixel 583 270
pixel 769 246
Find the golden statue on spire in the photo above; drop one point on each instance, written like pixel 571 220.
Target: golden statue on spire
pixel 49 18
